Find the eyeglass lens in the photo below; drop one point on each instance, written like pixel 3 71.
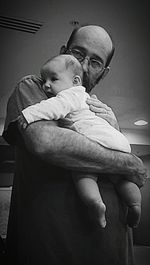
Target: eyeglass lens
pixel 93 62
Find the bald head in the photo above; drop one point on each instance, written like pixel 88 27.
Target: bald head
pixel 95 36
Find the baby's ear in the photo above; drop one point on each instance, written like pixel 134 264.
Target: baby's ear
pixel 77 80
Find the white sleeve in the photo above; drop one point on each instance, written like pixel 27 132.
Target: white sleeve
pixel 53 108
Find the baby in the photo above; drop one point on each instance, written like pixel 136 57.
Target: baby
pixel 62 77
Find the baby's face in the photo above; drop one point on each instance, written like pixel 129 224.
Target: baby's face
pixel 56 77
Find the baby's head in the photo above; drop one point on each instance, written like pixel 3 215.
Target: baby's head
pixel 61 72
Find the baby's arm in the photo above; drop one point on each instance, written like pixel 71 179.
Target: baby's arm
pixel 54 108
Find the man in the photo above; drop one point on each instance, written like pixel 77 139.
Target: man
pixel 48 223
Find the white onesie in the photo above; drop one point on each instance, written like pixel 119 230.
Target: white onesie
pixel 70 106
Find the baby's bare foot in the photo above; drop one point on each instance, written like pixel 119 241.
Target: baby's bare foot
pixel 134 215
pixel 97 212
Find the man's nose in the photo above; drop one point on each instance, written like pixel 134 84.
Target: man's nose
pixel 85 64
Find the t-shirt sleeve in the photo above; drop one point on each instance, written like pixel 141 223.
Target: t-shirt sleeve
pixel 27 92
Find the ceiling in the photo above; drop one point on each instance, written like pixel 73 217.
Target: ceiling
pixel 125 89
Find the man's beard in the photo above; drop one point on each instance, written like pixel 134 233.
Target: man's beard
pixel 89 85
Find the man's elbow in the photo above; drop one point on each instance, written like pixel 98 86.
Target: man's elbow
pixel 38 138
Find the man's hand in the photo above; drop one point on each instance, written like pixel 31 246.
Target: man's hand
pixel 103 111
pixel 139 173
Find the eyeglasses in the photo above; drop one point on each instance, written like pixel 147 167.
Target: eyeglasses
pixel 80 56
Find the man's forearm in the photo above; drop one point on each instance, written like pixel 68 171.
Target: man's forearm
pixel 73 151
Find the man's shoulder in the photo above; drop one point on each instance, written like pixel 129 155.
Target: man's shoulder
pixel 31 79
pixel 29 89
pixel 29 84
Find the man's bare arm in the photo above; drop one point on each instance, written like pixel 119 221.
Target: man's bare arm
pixel 73 151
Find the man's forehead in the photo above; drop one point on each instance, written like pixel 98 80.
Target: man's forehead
pixel 93 36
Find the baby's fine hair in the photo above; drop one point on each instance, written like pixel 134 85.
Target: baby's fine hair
pixel 70 63
pixel 73 63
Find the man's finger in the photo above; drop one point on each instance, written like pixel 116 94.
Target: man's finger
pixel 97 109
pixel 94 96
pixel 98 104
pixel 95 101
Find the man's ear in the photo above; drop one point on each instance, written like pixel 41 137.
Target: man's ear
pixel 77 80
pixel 63 49
pixel 105 72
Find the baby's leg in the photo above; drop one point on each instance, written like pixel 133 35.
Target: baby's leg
pixel 89 192
pixel 131 195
